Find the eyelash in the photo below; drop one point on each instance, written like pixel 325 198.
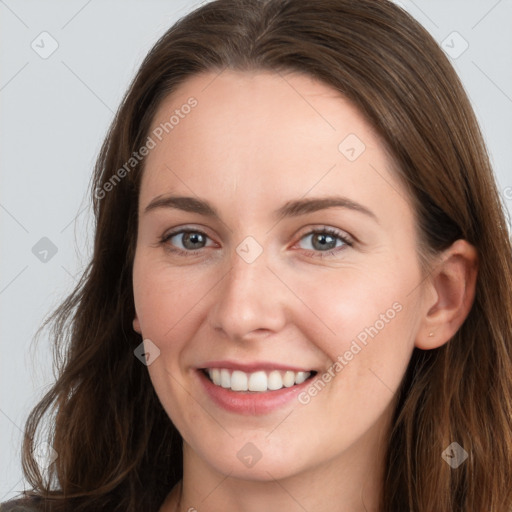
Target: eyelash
pixel 316 254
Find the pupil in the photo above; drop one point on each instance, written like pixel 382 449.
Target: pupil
pixel 324 241
pixel 193 239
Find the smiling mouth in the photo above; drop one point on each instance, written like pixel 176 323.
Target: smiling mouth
pixel 259 381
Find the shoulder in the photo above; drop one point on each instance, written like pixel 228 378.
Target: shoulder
pixel 20 505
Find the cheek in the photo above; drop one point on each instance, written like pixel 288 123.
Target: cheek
pixel 164 296
pixel 365 323
pixel 352 304
pixel 166 302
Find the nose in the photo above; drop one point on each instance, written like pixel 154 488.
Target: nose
pixel 249 302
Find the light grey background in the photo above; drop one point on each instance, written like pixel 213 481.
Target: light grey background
pixel 55 112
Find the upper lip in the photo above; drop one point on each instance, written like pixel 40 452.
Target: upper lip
pixel 253 366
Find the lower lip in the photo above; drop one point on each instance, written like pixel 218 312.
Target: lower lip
pixel 250 402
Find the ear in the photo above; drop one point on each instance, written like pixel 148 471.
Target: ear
pixel 136 324
pixel 451 294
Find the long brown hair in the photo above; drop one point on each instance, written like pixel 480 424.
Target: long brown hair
pixel 117 448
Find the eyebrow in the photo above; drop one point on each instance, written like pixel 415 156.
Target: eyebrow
pixel 293 208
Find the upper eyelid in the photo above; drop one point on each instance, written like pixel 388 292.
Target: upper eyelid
pixel 319 228
pixel 178 231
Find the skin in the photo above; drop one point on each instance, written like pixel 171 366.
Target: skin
pixel 254 142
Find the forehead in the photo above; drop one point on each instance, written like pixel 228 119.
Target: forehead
pixel 262 105
pixel 261 134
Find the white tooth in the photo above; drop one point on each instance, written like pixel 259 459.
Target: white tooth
pixel 215 375
pixel 225 378
pixel 300 377
pixel 289 379
pixel 258 381
pixel 275 381
pixel 238 381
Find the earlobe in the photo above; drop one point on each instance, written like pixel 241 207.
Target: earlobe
pixel 136 325
pixel 454 283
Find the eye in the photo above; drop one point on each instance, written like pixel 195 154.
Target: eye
pixel 322 242
pixel 325 242
pixel 186 241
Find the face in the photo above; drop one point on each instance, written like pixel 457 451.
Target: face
pixel 281 300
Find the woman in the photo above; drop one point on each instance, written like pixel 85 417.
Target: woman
pixel 300 292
